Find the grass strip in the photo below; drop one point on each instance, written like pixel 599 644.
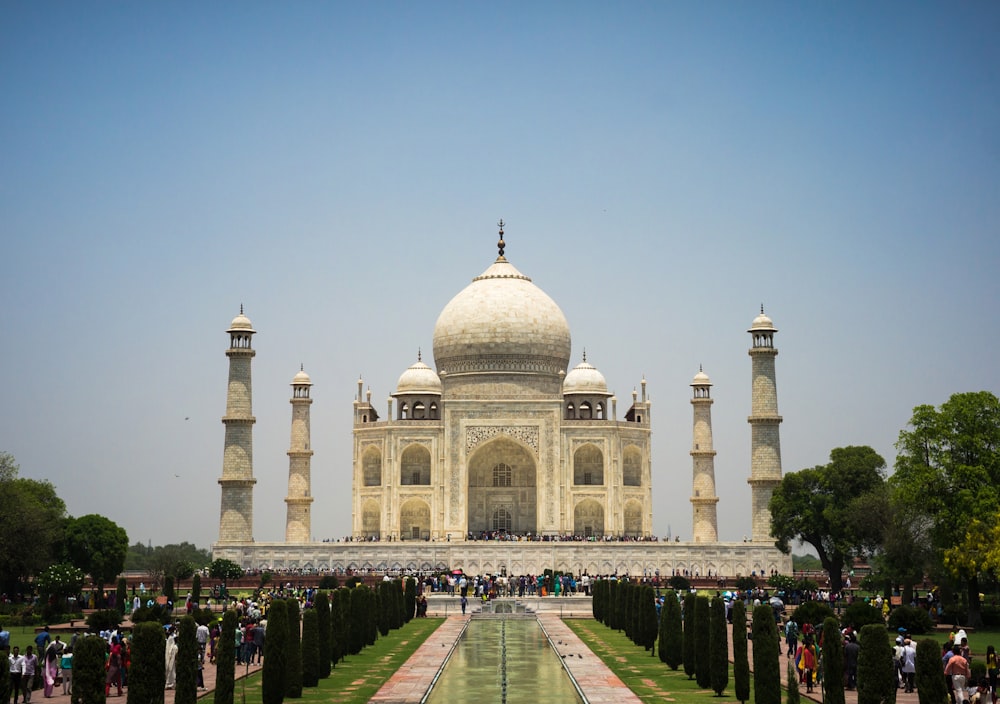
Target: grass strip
pixel 357 679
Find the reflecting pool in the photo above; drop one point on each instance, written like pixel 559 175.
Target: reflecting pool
pixel 506 660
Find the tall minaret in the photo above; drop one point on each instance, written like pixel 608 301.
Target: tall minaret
pixel 298 523
pixel 705 526
pixel 236 516
pixel 765 445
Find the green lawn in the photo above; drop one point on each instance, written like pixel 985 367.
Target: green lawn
pixel 360 677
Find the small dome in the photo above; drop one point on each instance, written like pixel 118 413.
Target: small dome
pixel 301 379
pixel 585 379
pixel 418 379
pixel 701 379
pixel 762 322
pixel 241 322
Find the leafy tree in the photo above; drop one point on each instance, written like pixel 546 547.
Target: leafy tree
pixel 88 670
pixel 741 662
pixel 671 631
pixel 146 675
pixel 679 583
pixel 310 648
pixel 931 687
pixel 746 583
pixel 702 634
pixel 766 648
pixel 60 581
pixel 718 646
pixel 689 634
pixel 324 644
pixel 819 506
pixel 293 654
pixel 329 581
pixel 187 663
pixel 814 612
pixel 273 684
pixel 162 560
pixel 27 508
pixel 876 669
pixel 948 465
pixel 225 660
pixel 860 614
pixel 833 662
pixel 913 620
pixel 225 570
pixel 103 620
pixel 97 545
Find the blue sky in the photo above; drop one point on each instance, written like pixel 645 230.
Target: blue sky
pixel 338 168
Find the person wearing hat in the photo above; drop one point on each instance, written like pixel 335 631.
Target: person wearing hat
pixel 909 665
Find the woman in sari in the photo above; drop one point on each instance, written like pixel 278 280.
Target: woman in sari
pixel 170 656
pixel 50 668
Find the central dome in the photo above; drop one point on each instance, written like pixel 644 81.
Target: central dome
pixel 503 323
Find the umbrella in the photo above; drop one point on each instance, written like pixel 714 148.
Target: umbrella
pixel 776 603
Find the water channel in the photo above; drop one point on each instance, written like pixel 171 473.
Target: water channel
pixel 503 660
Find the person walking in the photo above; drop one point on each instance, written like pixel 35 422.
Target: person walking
pixel 958 670
pixel 15 664
pixel 170 659
pixel 29 666
pixel 909 665
pixel 114 674
pixel 66 665
pixel 50 669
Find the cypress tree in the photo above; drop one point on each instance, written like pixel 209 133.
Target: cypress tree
pixel 322 606
pixel 791 683
pixel 225 660
pixel 671 631
pixel 621 608
pixel 385 606
pixel 766 647
pixel 595 601
pixel 833 662
pixel 931 687
pixel 630 604
pixel 741 662
pixel 88 671
pixel 702 662
pixel 400 618
pixel 689 636
pixel 876 669
pixel 310 648
pixel 338 629
pixel 650 626
pixel 411 599
pixel 718 646
pixel 168 588
pixel 121 595
pixel 373 611
pixel 146 676
pixel 275 644
pixel 356 620
pixel 196 589
pixel 612 616
pixel 187 662
pixel 293 651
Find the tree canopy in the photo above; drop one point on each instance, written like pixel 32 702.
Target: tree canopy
pixel 225 569
pixel 97 545
pixel 825 507
pixel 947 471
pixel 31 525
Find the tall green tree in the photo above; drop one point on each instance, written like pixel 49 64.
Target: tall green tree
pixel 766 648
pixel 31 526
pixel 310 648
pixel 121 595
pixel 648 623
pixel 948 465
pixel 690 658
pixel 338 626
pixel 741 661
pixel 718 646
pixel 293 654
pixel 702 634
pixel 225 660
pixel 88 671
pixel 876 668
pixel 818 506
pixel 97 545
pixel 273 683
pixel 931 687
pixel 792 695
pixel 411 598
pixel 146 675
pixel 187 662
pixel 322 606
pixel 833 662
pixel 671 631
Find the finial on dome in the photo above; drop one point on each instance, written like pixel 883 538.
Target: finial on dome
pixel 762 309
pixel 584 354
pixel 419 358
pixel 241 309
pixel 700 368
pixel 302 367
pixel 501 244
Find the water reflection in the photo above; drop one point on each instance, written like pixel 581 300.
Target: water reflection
pixel 534 671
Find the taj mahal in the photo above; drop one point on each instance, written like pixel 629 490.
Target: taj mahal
pixel 501 458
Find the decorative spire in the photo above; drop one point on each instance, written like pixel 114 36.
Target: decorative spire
pixel 584 354
pixel 762 309
pixel 241 309
pixel 501 244
pixel 302 367
pixel 419 358
pixel 700 368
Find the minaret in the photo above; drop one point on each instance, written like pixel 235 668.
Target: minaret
pixel 298 523
pixel 765 444
pixel 705 525
pixel 236 515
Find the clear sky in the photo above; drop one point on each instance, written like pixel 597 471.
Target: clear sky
pixel 338 168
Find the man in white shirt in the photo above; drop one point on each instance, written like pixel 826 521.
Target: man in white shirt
pixel 15 665
pixel 202 635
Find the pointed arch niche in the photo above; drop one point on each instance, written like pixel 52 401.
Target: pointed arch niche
pixel 502 487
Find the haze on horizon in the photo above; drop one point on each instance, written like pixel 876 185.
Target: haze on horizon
pixel 338 169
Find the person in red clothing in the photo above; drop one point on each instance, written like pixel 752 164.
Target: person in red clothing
pixel 114 668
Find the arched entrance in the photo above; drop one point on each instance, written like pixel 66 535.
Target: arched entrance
pixel 588 519
pixel 370 519
pixel 415 520
pixel 502 491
